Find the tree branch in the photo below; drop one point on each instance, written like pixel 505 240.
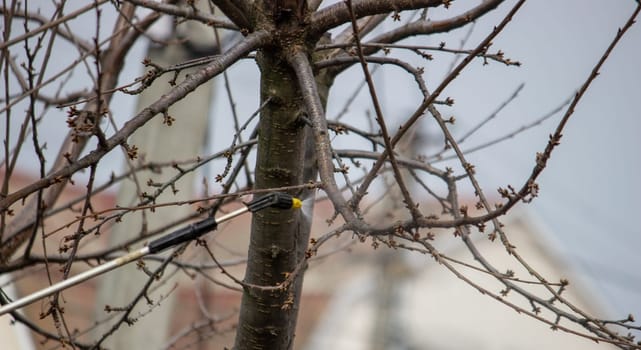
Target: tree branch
pixel 238 11
pixel 302 67
pixel 422 27
pixel 250 43
pixel 51 24
pixel 188 12
pixel 335 15
pixel 409 202
pixel 483 45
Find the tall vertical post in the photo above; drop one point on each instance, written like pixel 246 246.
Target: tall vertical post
pixel 158 141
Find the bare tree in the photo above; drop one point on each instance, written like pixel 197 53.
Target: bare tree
pixel 292 145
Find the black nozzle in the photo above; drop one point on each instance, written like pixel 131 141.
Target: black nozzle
pixel 275 200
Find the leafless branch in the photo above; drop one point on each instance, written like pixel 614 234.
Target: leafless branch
pixel 187 12
pixel 337 14
pixel 238 11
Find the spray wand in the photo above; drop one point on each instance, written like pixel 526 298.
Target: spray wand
pixel 273 200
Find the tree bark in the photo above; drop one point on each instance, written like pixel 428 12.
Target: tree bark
pixel 279 239
pixel 266 315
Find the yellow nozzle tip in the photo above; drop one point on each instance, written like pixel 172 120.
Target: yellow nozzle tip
pixel 296 203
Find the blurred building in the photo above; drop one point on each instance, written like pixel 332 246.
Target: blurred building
pixel 355 297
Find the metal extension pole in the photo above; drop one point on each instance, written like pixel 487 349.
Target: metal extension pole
pixel 98 270
pixel 172 239
pixel 278 200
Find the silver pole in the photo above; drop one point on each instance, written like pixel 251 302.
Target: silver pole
pixel 232 215
pixel 98 270
pixel 72 281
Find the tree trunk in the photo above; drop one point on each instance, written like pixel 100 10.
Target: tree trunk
pixel 286 157
pixel 267 317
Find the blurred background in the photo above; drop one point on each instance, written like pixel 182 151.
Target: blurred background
pixel 589 193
